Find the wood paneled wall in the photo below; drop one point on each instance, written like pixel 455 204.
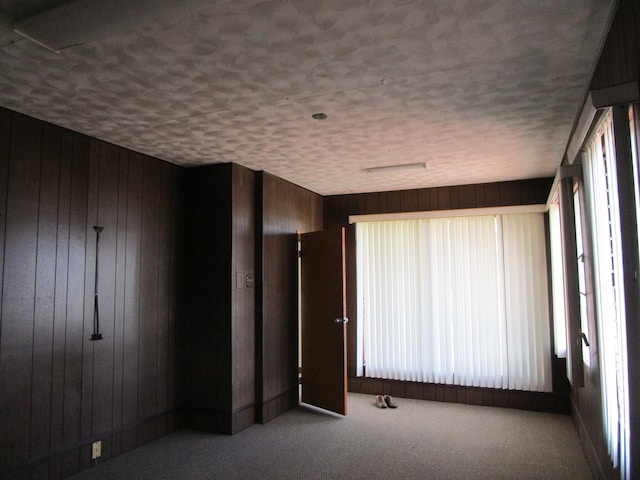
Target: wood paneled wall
pixel 337 208
pixel 619 61
pixel 59 391
pixel 216 331
pixel 336 213
pixel 284 209
pixel 243 311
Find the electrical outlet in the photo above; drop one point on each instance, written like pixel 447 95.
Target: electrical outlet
pixel 96 450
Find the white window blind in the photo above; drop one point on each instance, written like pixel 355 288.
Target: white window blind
pixel 455 300
pixel 601 191
pixel 557 282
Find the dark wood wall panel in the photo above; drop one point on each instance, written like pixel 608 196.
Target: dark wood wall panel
pixel 205 297
pixel 5 149
pixel 6 456
pixel 62 238
pixel 74 330
pixel 620 59
pixel 88 349
pixel 133 243
pixel 535 401
pixel 19 287
pixel 120 239
pixel 286 208
pixel 166 346
pixel 147 340
pixel 107 166
pixel 337 208
pixel 216 329
pixel 45 292
pixel 243 299
pixel 59 391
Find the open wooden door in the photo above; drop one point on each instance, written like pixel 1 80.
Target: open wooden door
pixel 323 320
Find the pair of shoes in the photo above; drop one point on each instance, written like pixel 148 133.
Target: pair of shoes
pixel 385 401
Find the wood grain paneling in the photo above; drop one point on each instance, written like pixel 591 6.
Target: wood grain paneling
pixel 89 258
pixel 5 152
pixel 120 239
pixel 108 167
pixel 74 333
pixel 619 61
pixel 58 390
pixel 544 402
pixel 217 309
pixel 45 292
pixel 60 311
pixel 205 296
pixel 133 244
pixel 147 340
pixel 18 294
pixel 337 208
pixel 285 209
pixel 166 385
pixel 243 299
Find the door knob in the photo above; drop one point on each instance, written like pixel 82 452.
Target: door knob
pixel 341 320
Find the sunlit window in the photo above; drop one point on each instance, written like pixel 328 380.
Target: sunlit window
pixel 459 301
pixel 557 282
pixel 601 192
pixel 582 279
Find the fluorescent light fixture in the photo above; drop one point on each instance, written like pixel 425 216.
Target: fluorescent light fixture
pixel 407 167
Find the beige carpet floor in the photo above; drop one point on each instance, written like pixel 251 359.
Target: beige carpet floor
pixel 418 440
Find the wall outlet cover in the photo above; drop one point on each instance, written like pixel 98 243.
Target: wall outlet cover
pixel 96 450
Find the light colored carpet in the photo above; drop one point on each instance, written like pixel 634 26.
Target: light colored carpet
pixel 419 439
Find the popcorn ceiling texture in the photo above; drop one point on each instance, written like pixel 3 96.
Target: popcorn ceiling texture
pixel 481 90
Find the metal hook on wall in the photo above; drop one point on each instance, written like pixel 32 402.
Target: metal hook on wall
pixel 96 314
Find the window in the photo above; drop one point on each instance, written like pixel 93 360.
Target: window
pixel 455 300
pixel 601 191
pixel 557 282
pixel 582 277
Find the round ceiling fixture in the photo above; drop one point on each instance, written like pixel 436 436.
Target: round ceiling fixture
pixel 319 116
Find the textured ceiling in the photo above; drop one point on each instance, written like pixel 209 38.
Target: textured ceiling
pixel 480 90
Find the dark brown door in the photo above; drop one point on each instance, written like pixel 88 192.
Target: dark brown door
pixel 323 323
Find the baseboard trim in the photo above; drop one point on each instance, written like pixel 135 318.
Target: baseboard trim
pixel 279 404
pixel 211 420
pixel 490 397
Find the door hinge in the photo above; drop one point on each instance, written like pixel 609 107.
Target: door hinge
pixel 299 375
pixel 299 253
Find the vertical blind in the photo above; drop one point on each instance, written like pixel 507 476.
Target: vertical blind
pixel 601 191
pixel 557 283
pixel 459 301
